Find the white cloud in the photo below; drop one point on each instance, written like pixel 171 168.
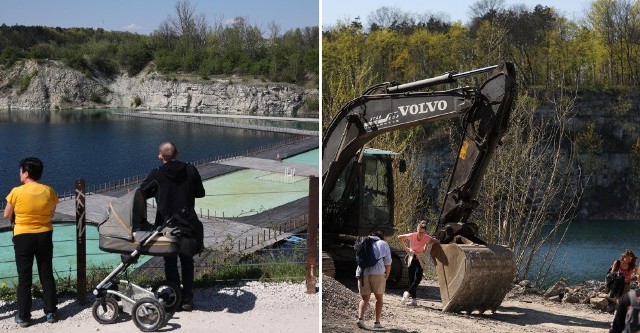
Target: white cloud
pixel 132 27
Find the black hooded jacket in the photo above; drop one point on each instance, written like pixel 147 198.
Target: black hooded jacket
pixel 175 185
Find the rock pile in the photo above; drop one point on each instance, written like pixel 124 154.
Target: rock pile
pixel 589 292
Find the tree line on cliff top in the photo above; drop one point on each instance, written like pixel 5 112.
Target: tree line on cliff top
pixel 601 49
pixel 184 42
pixel 543 174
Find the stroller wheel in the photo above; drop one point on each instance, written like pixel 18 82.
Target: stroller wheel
pixel 148 314
pixel 105 311
pixel 169 295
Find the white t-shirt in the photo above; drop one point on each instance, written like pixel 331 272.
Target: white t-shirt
pixel 383 252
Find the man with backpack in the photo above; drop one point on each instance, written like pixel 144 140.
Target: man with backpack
pixel 373 256
pixel 626 317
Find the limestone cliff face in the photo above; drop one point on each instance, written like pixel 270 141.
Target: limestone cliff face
pixel 52 86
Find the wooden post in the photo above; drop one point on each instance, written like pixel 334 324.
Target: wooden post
pixel 312 234
pixel 81 245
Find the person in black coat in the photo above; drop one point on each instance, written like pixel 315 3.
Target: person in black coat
pixel 175 185
pixel 619 318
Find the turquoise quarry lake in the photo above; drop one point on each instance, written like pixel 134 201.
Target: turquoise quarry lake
pixel 101 147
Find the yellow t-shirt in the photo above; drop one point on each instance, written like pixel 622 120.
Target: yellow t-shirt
pixel 34 205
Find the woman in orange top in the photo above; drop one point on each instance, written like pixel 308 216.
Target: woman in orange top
pixel 31 206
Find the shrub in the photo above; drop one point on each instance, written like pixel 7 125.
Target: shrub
pixel 137 101
pixel 96 98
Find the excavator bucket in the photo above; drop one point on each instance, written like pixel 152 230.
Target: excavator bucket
pixel 473 277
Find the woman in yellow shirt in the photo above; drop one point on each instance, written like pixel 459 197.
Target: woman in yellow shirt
pixel 31 207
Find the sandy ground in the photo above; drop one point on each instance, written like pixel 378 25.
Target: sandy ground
pixel 518 313
pixel 247 307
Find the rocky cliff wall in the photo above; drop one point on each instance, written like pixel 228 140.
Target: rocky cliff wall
pixel 610 193
pixel 52 86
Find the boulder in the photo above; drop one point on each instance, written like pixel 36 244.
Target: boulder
pixel 599 303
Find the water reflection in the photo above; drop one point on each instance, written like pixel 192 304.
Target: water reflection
pixel 101 147
pixel 53 116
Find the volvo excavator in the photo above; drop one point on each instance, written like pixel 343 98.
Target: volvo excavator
pixel 357 182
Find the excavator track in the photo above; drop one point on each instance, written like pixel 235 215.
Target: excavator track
pixel 328 267
pixel 399 277
pixel 473 277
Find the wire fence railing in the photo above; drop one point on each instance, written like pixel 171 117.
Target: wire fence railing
pixel 256 242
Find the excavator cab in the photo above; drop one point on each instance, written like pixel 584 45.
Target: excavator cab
pixel 362 200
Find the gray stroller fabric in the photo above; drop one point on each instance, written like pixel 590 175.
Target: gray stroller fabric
pixel 126 225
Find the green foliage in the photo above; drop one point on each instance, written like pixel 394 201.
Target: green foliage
pixel 137 101
pixel 134 56
pixel 589 144
pixel 96 98
pixel 25 81
pixel 10 55
pixel 238 48
pixel 312 104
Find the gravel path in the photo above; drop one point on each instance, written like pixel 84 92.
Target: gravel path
pixel 246 307
pixel 518 313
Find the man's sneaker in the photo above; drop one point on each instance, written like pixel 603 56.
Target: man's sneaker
pixel 377 325
pixel 22 322
pixel 412 302
pixel 405 297
pixel 51 318
pixel 360 323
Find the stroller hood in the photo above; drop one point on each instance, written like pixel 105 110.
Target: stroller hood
pixel 125 215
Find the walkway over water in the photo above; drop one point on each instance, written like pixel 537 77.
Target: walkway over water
pixel 235 116
pixel 245 234
pixel 203 119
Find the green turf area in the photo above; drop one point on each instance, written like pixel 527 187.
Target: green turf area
pixel 247 192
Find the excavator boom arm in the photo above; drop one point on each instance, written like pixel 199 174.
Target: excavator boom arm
pixel 371 115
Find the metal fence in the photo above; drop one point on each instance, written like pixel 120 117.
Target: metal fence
pixel 8 275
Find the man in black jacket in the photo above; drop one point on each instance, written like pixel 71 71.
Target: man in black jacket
pixel 175 186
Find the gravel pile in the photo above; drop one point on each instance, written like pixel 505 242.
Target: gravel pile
pixel 338 302
pixel 244 299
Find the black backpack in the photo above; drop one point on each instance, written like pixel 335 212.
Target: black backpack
pixel 365 257
pixel 631 321
pixel 614 282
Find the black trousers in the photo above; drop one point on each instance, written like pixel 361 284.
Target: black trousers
pixel 415 276
pixel 40 246
pixel 188 272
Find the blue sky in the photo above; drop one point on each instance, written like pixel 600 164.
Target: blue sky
pixel 144 16
pixel 456 10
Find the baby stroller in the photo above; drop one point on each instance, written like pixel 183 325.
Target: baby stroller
pixel 126 231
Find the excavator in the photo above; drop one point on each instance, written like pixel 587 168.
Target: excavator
pixel 357 181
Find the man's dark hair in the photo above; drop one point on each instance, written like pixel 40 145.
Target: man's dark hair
pixel 378 234
pixel 33 166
